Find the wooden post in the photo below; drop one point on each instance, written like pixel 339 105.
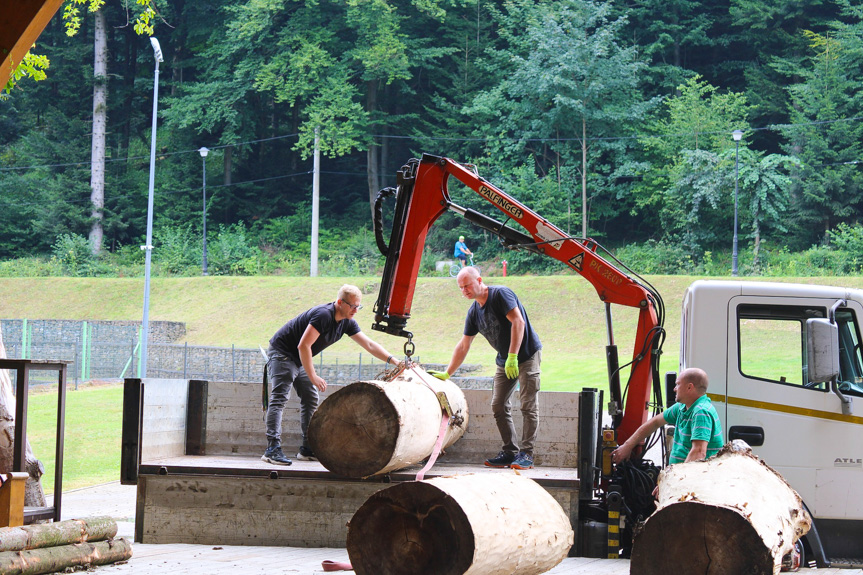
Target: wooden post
pixel 12 499
pixel 374 427
pixel 498 523
pixel 729 514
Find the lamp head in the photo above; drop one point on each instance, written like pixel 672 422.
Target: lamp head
pixel 157 50
pixel 737 134
pixel 204 151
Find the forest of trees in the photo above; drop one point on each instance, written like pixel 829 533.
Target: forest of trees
pixel 629 106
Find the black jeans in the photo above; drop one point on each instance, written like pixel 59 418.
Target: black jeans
pixel 284 373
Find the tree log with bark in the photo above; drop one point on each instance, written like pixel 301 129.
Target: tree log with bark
pixel 34 495
pixel 373 427
pixel 496 523
pixel 53 559
pixel 729 514
pixel 60 533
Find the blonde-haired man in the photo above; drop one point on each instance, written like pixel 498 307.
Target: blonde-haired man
pixel 289 364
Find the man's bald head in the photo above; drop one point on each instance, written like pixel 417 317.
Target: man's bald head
pixel 695 376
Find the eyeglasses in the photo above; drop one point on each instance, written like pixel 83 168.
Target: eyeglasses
pixel 357 307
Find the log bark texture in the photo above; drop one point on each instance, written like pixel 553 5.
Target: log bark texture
pixel 60 533
pixel 374 427
pixel 729 514
pixel 497 523
pixel 52 559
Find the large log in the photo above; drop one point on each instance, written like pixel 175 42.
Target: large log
pixel 498 523
pixel 374 427
pixel 59 533
pixel 52 559
pixel 729 514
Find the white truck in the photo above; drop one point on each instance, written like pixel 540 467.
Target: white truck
pixel 786 376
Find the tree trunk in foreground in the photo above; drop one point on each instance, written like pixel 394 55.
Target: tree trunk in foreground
pixel 496 523
pixel 729 514
pixel 53 559
pixel 59 533
pixel 373 427
pixel 34 496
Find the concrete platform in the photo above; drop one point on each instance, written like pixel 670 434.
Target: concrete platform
pixel 118 501
pixel 194 448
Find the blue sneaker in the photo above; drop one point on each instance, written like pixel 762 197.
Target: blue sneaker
pixel 522 461
pixel 275 456
pixel 502 459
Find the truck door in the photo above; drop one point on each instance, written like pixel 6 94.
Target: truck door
pixel 797 427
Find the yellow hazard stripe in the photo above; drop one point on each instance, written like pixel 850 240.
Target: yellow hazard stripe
pixel 613 529
pixel 782 408
pixel 613 514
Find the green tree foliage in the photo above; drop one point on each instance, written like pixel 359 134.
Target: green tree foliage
pixel 826 135
pixel 568 85
pixel 550 99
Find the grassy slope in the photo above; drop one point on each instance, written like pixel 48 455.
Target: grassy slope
pixel 245 312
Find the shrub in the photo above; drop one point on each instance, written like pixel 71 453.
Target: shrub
pixel 231 253
pixel 74 255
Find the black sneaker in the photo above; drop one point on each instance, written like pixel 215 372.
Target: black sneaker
pixel 522 461
pixel 502 459
pixel 275 456
pixel 306 454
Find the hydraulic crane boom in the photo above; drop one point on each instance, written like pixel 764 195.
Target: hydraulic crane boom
pixel 422 197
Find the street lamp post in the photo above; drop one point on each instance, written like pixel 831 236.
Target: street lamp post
pixel 148 248
pixel 736 134
pixel 204 151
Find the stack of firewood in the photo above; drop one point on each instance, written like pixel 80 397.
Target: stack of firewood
pixel 52 547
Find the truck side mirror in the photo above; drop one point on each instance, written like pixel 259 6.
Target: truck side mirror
pixel 822 345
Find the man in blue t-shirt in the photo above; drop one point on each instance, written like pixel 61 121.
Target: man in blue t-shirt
pixel 697 430
pixel 460 252
pixel 497 314
pixel 289 364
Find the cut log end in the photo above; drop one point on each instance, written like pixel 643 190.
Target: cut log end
pixel 697 538
pixel 417 529
pixel 354 432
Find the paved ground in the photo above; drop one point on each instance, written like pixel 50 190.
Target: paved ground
pixel 118 501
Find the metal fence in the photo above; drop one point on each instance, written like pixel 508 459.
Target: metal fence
pixel 110 351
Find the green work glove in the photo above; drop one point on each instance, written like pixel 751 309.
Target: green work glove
pixel 511 366
pixel 442 375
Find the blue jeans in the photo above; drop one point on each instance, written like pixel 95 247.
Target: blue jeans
pixel 501 404
pixel 283 373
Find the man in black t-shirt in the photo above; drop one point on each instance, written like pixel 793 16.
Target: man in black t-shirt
pixel 497 314
pixel 289 363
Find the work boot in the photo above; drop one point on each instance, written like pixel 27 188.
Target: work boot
pixel 502 459
pixel 522 461
pixel 306 454
pixel 275 456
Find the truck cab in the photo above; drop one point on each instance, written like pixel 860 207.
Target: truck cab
pixel 755 341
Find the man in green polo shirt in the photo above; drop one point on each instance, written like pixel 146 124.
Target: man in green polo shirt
pixel 697 431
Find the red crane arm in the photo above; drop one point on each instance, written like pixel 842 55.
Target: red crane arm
pixel 423 197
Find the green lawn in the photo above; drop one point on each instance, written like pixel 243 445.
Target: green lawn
pixel 93 425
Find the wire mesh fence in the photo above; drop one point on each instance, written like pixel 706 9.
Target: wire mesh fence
pixel 110 351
